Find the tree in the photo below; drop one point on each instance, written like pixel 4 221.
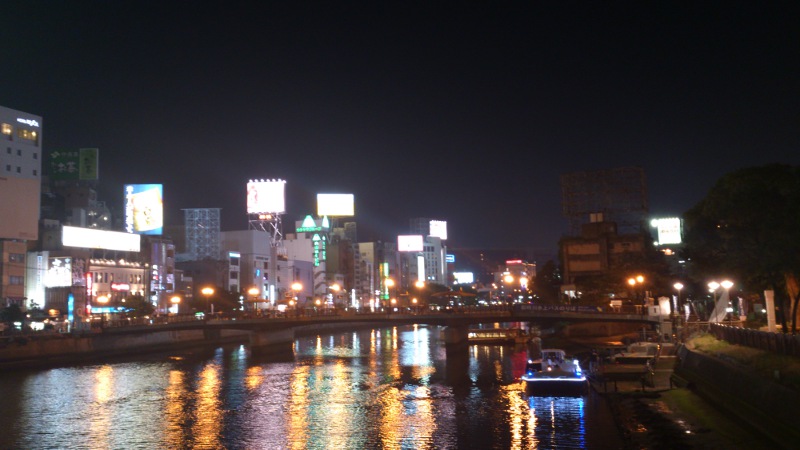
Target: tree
pixel 547 286
pixel 139 306
pixel 748 226
pixel 12 313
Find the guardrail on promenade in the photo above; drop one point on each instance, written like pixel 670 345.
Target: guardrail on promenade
pixel 779 343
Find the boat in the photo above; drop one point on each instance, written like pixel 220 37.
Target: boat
pixel 555 374
pixel 638 353
pixel 498 336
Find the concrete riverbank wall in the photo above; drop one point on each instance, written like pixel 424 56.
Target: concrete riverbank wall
pixel 41 351
pixel 33 351
pixel 760 403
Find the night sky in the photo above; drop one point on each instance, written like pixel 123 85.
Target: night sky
pixel 462 111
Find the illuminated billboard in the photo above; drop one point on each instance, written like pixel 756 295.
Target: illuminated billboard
pixel 669 230
pixel 144 208
pixel 335 205
pixel 81 164
pixel 439 229
pixel 59 272
pixel 464 277
pixel 409 243
pixel 266 197
pixel 93 238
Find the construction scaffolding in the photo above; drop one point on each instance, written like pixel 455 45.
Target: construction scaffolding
pixel 202 233
pixel 612 195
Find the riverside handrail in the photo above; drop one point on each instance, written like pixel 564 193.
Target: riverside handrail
pixel 778 343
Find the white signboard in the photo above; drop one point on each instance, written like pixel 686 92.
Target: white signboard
pixel 439 229
pixel 334 205
pixel 409 243
pixel 108 240
pixel 669 230
pixel 266 197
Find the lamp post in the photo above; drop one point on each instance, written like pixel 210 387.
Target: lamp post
pixel 175 300
pixel 253 291
pixel 208 292
pixel 103 301
pixel 727 285
pixel 638 280
pixel 335 288
pixel 389 283
pixel 296 287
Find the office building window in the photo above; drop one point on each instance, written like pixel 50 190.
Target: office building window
pixel 19 169
pixel 6 129
pixel 16 280
pixel 19 152
pixel 35 173
pixel 8 167
pixel 35 155
pixel 28 135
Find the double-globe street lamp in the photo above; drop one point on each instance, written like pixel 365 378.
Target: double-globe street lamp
pixel 638 280
pixel 713 286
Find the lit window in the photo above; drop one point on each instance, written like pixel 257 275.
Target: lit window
pixel 7 129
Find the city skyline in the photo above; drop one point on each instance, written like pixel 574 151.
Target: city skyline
pixel 467 113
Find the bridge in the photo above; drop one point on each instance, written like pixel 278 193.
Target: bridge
pixel 279 329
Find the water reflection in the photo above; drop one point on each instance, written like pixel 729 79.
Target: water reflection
pixel 389 388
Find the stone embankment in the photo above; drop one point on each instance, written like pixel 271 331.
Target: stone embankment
pixel 695 400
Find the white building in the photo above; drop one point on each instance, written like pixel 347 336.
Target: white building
pixel 20 174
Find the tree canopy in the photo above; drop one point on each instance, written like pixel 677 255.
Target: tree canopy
pixel 748 227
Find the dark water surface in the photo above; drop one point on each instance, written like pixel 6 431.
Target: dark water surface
pixel 386 388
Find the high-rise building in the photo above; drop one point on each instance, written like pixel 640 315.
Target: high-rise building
pixel 20 174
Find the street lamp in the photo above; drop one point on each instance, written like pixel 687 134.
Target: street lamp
pixel 254 291
pixel 389 284
pixel 175 300
pixel 296 287
pixel 678 286
pixel 335 288
pixel 727 285
pixel 208 292
pixel 638 280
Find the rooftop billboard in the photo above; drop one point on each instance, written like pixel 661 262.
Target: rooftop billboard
pixel 144 208
pixel 81 164
pixel 102 239
pixel 266 197
pixel 409 243
pixel 333 205
pixel 669 230
pixel 439 229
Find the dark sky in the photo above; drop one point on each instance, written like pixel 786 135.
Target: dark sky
pixel 463 111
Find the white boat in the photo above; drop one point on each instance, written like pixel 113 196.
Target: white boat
pixel 638 353
pixel 555 374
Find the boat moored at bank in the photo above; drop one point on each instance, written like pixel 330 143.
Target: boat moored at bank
pixel 555 374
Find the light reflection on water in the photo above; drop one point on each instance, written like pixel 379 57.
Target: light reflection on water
pixel 388 388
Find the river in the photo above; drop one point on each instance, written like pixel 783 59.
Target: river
pixel 382 388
